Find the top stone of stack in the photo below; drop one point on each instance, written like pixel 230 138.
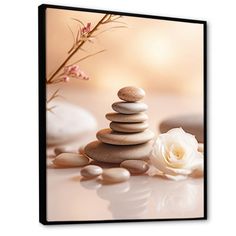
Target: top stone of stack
pixel 131 94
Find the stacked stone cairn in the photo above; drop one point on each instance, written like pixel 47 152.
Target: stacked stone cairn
pixel 128 137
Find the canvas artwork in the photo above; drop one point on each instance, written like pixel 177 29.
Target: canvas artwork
pixel 122 116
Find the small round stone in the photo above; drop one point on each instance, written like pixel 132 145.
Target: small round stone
pixel 135 166
pixel 131 94
pixel 59 150
pixel 81 150
pixel 116 138
pixel 129 127
pixel 129 107
pixel 192 124
pixel 107 153
pixel 201 147
pixel 70 160
pixel 91 171
pixel 124 118
pixel 115 175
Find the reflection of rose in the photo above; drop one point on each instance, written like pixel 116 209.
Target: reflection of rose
pixel 175 154
pixel 179 199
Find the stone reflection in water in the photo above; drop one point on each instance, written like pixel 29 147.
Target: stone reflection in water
pixel 177 199
pixel 128 200
pixel 90 184
pixel 144 197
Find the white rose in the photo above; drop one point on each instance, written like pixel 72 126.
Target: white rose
pixel 175 155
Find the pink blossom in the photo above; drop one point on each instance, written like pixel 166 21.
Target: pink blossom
pixel 73 71
pixel 86 29
pixel 74 68
pixel 86 78
pixel 66 79
pixel 83 76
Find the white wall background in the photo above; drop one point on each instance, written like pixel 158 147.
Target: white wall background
pixel 19 127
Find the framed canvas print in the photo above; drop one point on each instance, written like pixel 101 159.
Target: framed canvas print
pixel 122 117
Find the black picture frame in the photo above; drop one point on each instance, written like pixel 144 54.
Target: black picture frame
pixel 42 111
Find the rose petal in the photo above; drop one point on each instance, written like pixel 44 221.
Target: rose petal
pixel 152 171
pixel 159 163
pixel 177 171
pixel 196 161
pixel 180 134
pixel 176 177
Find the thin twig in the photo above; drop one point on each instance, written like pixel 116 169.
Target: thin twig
pixel 120 22
pixel 78 34
pixel 78 21
pixel 55 95
pixel 70 50
pixel 105 20
pixel 115 27
pixel 117 17
pixel 71 34
pixel 90 55
pixel 51 108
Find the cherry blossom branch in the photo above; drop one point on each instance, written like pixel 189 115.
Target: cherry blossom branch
pixel 50 79
pixel 84 34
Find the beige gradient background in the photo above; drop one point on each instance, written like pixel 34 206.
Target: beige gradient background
pixel 158 55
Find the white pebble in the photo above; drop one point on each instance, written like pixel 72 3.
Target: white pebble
pixel 91 171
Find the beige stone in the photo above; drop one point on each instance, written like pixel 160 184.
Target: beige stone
pixel 91 171
pixel 135 166
pixel 193 124
pixel 131 94
pixel 201 147
pixel 70 160
pixel 111 137
pixel 129 107
pixel 115 175
pixel 124 118
pixel 59 150
pixel 81 150
pixel 129 127
pixel 102 152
